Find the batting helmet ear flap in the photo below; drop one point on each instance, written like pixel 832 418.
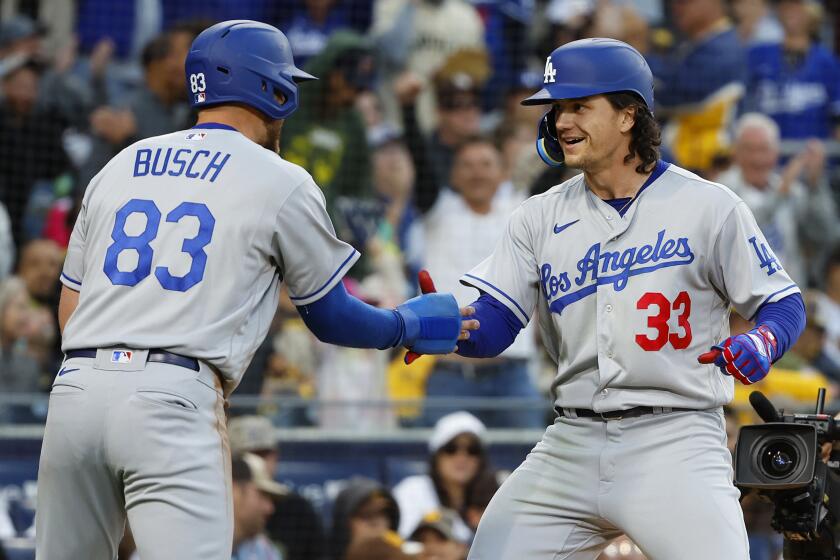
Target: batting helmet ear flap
pixel 548 145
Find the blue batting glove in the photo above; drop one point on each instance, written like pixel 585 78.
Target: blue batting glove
pixel 432 323
pixel 746 357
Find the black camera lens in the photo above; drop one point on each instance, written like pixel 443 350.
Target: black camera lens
pixel 778 458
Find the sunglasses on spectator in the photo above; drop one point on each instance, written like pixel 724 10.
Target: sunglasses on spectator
pixel 452 448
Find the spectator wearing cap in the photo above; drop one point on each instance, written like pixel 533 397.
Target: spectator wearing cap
pixel 59 90
pixel 796 81
pixel 253 502
pixel 21 35
pixel 699 84
pixel 327 137
pixel 418 36
pixel 475 212
pixel 436 533
pixel 457 460
pixel 311 23
pixel 31 147
pixel 293 524
pixel 793 206
pixel 457 87
pixel 363 510
pixel 157 107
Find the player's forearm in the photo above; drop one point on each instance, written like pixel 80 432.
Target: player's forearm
pixel 499 327
pixel 339 318
pixel 785 319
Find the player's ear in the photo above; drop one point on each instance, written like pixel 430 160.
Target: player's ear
pixel 628 118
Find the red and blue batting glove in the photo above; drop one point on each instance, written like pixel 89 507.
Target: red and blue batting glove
pixel 746 357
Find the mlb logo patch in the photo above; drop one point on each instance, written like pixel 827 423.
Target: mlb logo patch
pixel 196 135
pixel 121 357
pixel 200 97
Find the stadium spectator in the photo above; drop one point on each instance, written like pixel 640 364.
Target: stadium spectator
pixel 479 496
pixel 363 510
pixel 436 533
pixel 458 86
pixel 418 36
pixel 294 525
pixel 60 90
pixel 253 494
pixel 30 138
pixel 39 267
pixel 457 461
pixel 313 22
pixel 475 213
pixel 327 135
pixel 794 207
pixel 19 370
pixel 807 353
pixel 828 305
pixel 157 107
pixel 380 226
pixel 757 24
pixel 797 81
pixel 699 84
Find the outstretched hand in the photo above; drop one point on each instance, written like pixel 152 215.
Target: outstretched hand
pixel 427 286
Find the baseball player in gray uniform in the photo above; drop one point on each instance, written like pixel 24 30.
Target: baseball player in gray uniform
pixel 171 281
pixel 632 266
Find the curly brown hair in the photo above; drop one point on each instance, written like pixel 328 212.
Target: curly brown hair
pixel 647 136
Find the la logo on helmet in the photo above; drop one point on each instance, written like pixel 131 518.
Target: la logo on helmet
pixel 550 72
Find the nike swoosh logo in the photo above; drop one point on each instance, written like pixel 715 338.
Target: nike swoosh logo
pixel 558 229
pixel 62 371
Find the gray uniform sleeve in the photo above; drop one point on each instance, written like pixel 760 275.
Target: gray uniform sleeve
pixel 744 268
pixel 510 273
pixel 312 259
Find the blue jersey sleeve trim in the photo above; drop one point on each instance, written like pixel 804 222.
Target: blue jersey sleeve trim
pixel 771 296
pixel 503 294
pixel 786 319
pixel 215 125
pixel 76 282
pixel 353 254
pixel 499 327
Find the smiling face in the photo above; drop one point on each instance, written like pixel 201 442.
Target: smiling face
pixel 594 136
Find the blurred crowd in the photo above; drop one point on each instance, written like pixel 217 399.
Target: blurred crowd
pixel 415 134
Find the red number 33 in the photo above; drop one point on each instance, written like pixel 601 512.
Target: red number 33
pixel 659 321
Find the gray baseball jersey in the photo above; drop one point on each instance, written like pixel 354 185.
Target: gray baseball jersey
pixel 627 304
pixel 183 240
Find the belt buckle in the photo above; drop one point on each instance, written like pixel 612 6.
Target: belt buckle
pixel 612 415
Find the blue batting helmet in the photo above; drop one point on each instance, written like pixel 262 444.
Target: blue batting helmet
pixel 583 68
pixel 243 61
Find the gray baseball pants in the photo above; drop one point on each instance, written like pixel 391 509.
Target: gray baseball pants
pixel 146 440
pixel 665 480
